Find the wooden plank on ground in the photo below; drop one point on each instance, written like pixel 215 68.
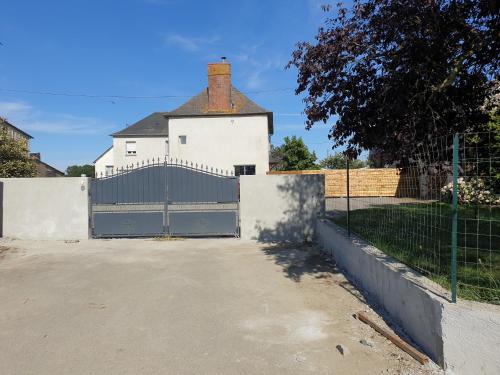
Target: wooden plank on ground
pixel 422 358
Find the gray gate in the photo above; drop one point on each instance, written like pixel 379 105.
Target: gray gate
pixel 165 198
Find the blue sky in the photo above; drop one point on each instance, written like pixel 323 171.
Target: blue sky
pixel 144 48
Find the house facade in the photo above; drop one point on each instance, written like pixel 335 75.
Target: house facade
pixel 219 128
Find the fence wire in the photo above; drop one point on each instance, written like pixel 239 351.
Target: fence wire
pixel 414 224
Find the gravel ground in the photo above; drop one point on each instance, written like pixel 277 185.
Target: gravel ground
pixel 197 306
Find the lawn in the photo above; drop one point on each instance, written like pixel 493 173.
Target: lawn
pixel 419 235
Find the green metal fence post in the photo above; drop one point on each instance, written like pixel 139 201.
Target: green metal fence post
pixel 348 199
pixel 454 221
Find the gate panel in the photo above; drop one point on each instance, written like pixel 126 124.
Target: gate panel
pixel 203 223
pixel 165 199
pixel 130 224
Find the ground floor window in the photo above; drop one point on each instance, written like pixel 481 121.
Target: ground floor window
pixel 109 170
pixel 244 170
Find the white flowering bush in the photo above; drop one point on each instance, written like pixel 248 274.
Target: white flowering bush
pixel 470 191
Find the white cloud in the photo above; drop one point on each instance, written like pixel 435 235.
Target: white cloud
pixel 27 118
pixel 257 64
pixel 8 109
pixel 190 44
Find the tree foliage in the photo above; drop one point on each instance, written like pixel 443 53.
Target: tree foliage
pixel 338 161
pixel 399 73
pixel 78 170
pixel 14 157
pixel 294 155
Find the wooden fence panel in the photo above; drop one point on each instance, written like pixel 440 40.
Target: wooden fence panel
pixel 365 182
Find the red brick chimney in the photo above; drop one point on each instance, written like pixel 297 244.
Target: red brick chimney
pixel 219 86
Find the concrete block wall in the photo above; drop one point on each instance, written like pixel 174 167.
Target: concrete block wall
pixel 464 338
pixel 280 207
pixel 45 208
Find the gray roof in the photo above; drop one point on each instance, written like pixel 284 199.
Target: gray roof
pixel 157 123
pixel 198 105
pixel 154 124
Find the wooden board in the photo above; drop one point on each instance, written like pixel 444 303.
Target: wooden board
pixel 420 357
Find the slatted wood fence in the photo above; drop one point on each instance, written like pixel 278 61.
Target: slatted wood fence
pixel 365 182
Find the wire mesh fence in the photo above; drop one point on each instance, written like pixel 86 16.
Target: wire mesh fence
pixel 444 218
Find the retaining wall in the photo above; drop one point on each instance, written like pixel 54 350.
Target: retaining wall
pixel 280 207
pixel 45 208
pixel 463 338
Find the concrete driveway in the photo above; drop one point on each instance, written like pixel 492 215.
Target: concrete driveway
pixel 218 306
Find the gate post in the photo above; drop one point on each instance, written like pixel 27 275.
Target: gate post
pixel 166 228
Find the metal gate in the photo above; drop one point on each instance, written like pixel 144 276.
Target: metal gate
pixel 165 198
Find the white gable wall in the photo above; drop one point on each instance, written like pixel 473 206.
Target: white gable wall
pixel 101 163
pixel 146 148
pixel 222 142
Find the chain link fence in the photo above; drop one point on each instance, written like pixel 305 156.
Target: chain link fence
pixel 444 218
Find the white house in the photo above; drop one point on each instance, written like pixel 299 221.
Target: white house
pixel 220 128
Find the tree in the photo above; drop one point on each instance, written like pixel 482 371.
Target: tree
pixel 78 170
pixel 338 161
pixel 295 155
pixel 14 157
pixel 400 73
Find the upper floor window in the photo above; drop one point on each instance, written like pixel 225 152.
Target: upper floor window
pixel 130 148
pixel 244 170
pixel 182 139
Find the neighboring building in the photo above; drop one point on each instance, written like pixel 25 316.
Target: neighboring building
pixel 14 132
pixel 42 169
pixel 220 128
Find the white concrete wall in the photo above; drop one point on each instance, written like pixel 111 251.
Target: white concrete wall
pixel 45 208
pixel 106 159
pixel 464 337
pixel 471 337
pixel 147 148
pixel 280 207
pixel 222 142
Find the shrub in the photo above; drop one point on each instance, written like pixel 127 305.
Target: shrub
pixel 470 191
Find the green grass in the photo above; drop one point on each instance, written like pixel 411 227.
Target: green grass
pixel 419 235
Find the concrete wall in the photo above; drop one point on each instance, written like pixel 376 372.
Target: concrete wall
pixel 46 208
pixel 280 208
pixel 222 142
pixel 463 337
